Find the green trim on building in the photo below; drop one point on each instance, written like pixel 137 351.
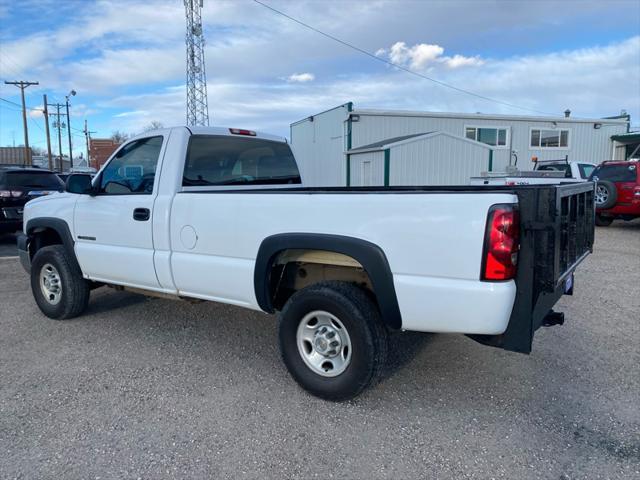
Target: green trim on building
pixel 348 170
pixel 491 159
pixel 387 158
pixel 627 137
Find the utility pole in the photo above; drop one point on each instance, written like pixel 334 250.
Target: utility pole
pixel 87 136
pixel 58 125
pixel 71 93
pixel 22 85
pixel 46 125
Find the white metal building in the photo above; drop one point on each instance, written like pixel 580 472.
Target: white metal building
pixel 431 158
pixel 324 143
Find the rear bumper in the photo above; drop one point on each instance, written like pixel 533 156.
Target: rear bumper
pixel 631 209
pixel 23 252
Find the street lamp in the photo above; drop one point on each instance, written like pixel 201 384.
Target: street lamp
pixel 72 93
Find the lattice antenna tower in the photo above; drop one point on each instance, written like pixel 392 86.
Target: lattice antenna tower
pixel 197 107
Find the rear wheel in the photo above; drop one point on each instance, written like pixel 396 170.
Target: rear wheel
pixel 332 340
pixel 603 221
pixel 57 284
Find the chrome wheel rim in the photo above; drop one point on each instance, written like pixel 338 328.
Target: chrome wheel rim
pixel 50 284
pixel 324 343
pixel 602 195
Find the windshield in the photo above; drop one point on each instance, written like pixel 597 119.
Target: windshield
pixel 33 180
pixel 225 160
pixel 615 173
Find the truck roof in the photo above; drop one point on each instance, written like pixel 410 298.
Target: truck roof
pixel 233 132
pixel 229 132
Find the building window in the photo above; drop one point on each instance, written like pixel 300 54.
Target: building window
pixel 495 136
pixel 549 138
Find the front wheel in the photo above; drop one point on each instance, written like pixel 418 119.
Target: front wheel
pixel 603 221
pixel 332 340
pixel 57 284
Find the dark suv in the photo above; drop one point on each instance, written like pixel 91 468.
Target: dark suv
pixel 617 191
pixel 18 185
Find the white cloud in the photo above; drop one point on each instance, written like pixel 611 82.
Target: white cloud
pixel 462 61
pixel 423 55
pixel 417 56
pixel 301 77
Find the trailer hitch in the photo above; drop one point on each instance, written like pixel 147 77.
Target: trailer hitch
pixel 553 318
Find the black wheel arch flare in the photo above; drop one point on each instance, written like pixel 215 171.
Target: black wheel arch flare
pixel 60 227
pixel 368 254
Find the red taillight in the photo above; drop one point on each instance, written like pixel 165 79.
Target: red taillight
pixel 501 243
pixel 240 131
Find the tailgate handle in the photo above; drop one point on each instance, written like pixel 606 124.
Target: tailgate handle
pixel 141 214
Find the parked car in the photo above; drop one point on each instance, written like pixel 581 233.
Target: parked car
pixel 221 214
pixel 544 172
pixel 18 185
pixel 617 191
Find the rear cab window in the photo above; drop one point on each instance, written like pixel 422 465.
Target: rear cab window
pixel 556 167
pixel 616 173
pixel 219 160
pixel 30 180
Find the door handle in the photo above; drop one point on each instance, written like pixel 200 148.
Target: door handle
pixel 141 214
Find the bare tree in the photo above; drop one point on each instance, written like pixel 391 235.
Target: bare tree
pixel 119 136
pixel 154 125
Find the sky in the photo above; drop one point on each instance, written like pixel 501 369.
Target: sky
pixel 126 60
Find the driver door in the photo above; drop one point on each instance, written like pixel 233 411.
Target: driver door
pixel 113 228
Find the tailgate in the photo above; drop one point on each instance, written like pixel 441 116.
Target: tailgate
pixel 556 234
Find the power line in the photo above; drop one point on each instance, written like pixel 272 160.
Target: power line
pixel 388 62
pixel 36 124
pixel 18 105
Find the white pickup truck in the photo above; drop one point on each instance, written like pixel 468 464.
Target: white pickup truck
pixel 547 172
pixel 222 215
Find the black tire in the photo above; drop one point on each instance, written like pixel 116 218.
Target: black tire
pixel 361 319
pixel 603 221
pixel 610 192
pixel 74 292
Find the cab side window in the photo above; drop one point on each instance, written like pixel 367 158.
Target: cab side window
pixel 133 169
pixel 586 169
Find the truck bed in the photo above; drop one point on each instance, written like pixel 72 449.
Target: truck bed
pixel 557 232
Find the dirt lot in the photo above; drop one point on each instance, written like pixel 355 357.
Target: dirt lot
pixel 149 388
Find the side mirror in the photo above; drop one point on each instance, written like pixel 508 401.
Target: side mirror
pixel 79 183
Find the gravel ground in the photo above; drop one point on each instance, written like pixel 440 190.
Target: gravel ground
pixel 150 388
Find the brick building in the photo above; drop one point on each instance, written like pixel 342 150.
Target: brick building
pixel 100 149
